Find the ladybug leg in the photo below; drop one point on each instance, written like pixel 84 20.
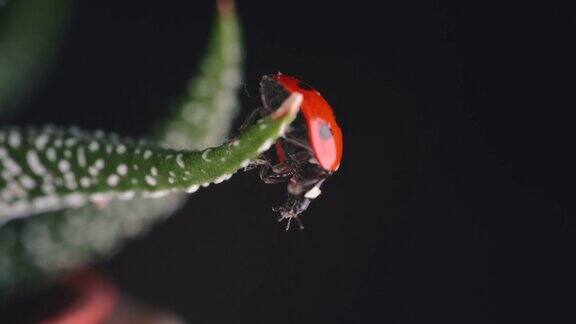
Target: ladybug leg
pixel 300 158
pixel 272 174
pixel 297 142
pixel 261 161
pixel 290 218
pixel 254 114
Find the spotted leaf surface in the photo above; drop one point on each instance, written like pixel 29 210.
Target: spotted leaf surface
pixel 51 169
pixel 202 116
pixel 71 237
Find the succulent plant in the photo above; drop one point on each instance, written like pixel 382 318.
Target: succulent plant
pixel 70 196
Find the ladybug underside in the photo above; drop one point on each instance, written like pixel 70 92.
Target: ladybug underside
pixel 293 160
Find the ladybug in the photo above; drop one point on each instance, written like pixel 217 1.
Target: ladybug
pixel 309 152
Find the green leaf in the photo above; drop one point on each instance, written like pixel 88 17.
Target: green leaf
pixel 51 169
pixel 101 229
pixel 30 34
pixel 55 169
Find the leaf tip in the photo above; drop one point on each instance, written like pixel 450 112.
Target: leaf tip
pixel 226 7
pixel 289 107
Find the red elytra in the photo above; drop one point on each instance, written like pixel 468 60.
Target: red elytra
pixel 324 134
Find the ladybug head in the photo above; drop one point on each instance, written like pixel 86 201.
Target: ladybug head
pixel 273 93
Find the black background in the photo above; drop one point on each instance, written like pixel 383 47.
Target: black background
pixel 454 201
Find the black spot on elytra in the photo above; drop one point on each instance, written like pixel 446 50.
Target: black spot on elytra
pixel 325 131
pixel 304 86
